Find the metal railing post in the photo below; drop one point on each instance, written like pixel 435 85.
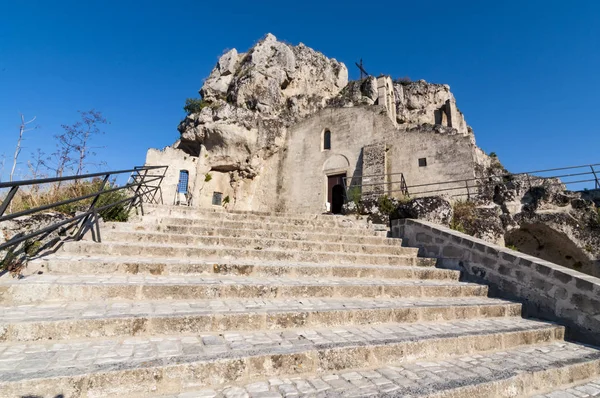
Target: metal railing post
pixel 8 199
pixel 93 217
pixel 136 193
pixel 593 172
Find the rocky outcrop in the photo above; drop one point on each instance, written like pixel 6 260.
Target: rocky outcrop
pixel 433 209
pixel 420 103
pixel 15 258
pixel 250 98
pixel 532 215
pixel 356 93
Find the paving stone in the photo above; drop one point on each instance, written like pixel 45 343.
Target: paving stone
pixel 201 303
pixel 546 358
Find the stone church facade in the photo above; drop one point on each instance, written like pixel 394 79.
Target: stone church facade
pixel 282 129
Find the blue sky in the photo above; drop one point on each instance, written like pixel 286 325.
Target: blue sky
pixel 525 73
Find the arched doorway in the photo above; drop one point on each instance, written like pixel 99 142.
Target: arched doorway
pixel 337 199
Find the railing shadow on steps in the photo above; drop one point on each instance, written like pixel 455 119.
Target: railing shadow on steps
pixel 143 186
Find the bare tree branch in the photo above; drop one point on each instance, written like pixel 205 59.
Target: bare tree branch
pixel 22 130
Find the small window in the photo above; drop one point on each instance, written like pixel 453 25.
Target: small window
pixel 182 186
pixel 327 140
pixel 217 199
pixel 422 162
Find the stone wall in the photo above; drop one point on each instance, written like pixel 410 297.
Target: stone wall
pixel 306 164
pixel 374 170
pixel 177 160
pixel 547 290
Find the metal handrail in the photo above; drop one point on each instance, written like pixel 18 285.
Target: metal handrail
pixel 78 177
pixel 138 180
pixel 481 182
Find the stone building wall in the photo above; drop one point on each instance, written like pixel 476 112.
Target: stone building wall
pixel 177 160
pixel 259 193
pixel 306 165
pixel 374 170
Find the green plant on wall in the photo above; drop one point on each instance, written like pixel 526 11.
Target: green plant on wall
pixel 194 105
pixel 354 194
pixel 386 205
pixel 207 178
pixel 464 216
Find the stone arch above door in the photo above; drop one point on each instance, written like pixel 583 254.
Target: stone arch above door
pixel 336 163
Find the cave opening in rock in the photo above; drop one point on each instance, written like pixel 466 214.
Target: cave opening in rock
pixel 542 241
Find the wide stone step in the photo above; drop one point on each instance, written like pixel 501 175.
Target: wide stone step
pixel 416 268
pixel 71 320
pixel 227 253
pixel 168 365
pixel 264 243
pixel 517 372
pixel 582 389
pixel 329 236
pixel 209 214
pixel 348 227
pixel 39 288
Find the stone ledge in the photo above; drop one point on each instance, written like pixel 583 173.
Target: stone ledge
pixel 547 290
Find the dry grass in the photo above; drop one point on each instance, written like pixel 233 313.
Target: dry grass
pixel 35 196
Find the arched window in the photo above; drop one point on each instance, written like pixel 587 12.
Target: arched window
pixel 182 186
pixel 327 140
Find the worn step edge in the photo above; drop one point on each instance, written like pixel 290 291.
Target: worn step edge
pixel 502 384
pixel 184 222
pixel 416 268
pixel 245 223
pixel 173 375
pixel 259 232
pixel 264 243
pixel 581 387
pixel 33 291
pixel 234 216
pixel 189 322
pixel 216 210
pixel 223 252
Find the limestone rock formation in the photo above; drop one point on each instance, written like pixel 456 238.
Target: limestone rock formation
pixel 535 216
pixel 238 131
pixel 433 209
pixel 357 92
pixel 16 257
pixel 250 98
pixel 420 103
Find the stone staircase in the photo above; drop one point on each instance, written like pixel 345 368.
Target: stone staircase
pixel 201 303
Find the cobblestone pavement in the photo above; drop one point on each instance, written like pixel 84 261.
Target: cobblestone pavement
pixel 591 389
pixel 418 378
pixel 92 310
pixel 17 360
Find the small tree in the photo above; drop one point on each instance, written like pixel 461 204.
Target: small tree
pixel 22 130
pixel 194 105
pixel 83 132
pixel 73 148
